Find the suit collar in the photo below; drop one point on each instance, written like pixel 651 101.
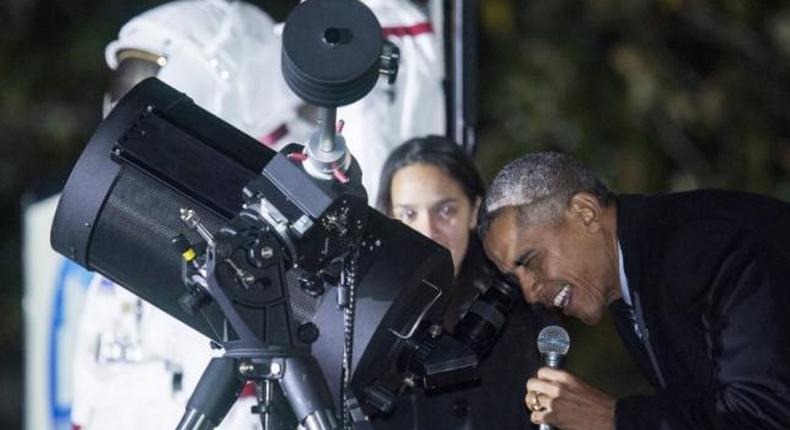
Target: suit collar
pixel 630 237
pixel 624 289
pixel 633 232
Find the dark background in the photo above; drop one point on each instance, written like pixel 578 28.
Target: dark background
pixel 655 95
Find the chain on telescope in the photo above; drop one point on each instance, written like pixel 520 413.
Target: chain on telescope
pixel 347 300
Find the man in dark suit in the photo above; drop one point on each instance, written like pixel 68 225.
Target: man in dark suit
pixel 698 284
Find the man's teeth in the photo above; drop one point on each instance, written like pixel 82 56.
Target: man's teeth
pixel 563 297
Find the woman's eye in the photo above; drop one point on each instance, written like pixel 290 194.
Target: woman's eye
pixel 406 215
pixel 447 211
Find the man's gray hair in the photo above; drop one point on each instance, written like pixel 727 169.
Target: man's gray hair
pixel 540 186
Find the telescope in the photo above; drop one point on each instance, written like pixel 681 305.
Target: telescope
pixel 329 307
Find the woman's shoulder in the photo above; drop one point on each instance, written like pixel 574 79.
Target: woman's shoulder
pixel 477 271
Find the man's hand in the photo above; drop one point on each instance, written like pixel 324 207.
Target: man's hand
pixel 560 399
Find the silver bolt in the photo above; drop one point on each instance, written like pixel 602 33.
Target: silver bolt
pixel 408 380
pixel 267 252
pixel 246 368
pixel 435 330
pixel 275 369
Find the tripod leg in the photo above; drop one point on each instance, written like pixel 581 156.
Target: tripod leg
pixel 308 394
pixel 217 390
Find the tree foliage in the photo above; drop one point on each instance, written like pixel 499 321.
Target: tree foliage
pixel 656 95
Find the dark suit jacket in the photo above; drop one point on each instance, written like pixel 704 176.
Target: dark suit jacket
pixel 709 273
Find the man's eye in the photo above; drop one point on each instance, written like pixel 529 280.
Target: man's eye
pixel 526 261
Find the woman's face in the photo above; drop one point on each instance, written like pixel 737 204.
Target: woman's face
pixel 430 201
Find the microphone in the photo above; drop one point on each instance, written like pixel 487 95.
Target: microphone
pixel 553 344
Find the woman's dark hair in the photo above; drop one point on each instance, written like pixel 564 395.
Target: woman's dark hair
pixel 436 151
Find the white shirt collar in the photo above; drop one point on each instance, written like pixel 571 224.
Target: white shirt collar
pixel 623 279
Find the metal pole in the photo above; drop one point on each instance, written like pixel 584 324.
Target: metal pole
pixel 327 118
pixel 275 413
pixel 464 69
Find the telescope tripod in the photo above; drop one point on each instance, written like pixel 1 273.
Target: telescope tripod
pixel 289 391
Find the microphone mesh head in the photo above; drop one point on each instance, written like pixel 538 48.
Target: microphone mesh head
pixel 553 339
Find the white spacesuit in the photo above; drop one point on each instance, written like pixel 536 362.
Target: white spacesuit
pixel 412 107
pixel 135 367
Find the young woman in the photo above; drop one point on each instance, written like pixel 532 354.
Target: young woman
pixel 433 186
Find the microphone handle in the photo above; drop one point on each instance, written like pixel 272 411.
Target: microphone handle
pixel 555 361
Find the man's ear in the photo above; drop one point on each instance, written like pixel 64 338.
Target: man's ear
pixel 586 208
pixel 473 218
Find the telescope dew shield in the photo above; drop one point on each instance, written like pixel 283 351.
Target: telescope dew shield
pixel 155 153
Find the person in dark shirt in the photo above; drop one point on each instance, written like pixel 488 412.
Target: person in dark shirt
pixel 431 185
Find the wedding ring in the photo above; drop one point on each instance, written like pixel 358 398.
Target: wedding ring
pixel 533 402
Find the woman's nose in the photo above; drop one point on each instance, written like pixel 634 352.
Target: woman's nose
pixel 428 226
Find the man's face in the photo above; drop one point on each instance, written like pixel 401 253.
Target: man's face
pixel 567 264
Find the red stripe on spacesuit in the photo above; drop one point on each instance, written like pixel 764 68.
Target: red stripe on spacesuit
pixel 248 390
pixel 75 426
pixel 272 138
pixel 408 30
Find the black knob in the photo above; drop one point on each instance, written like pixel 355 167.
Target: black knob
pixel 312 285
pixel 180 243
pixel 192 301
pixel 390 59
pixel 331 51
pixel 308 332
